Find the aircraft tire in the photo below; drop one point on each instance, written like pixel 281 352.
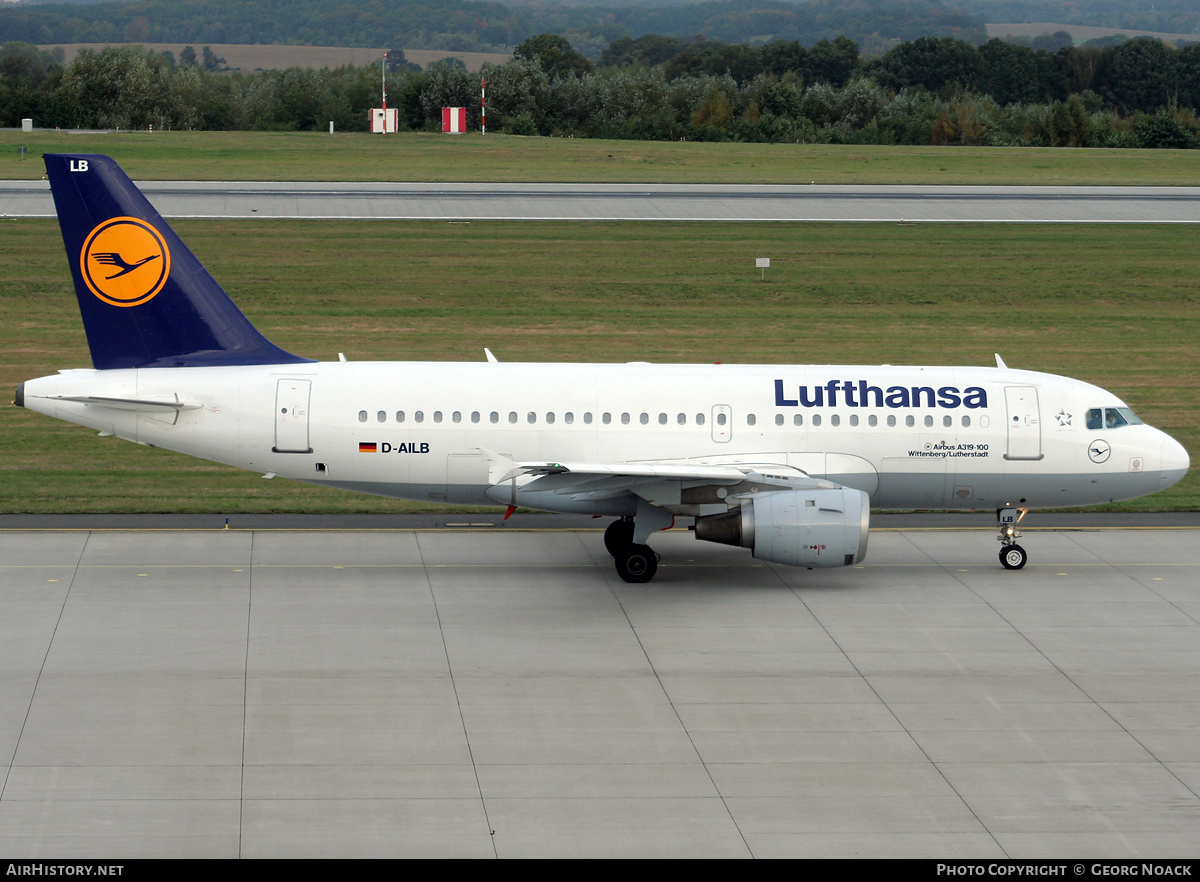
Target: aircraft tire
pixel 1013 557
pixel 636 563
pixel 618 535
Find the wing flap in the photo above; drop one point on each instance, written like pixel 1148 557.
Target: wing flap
pixel 661 483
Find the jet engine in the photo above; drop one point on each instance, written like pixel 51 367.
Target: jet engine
pixel 802 528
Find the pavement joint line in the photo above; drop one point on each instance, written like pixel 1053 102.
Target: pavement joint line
pixel 233 529
pixel 566 564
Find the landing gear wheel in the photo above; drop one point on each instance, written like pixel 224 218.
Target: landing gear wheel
pixel 1013 557
pixel 618 535
pixel 636 563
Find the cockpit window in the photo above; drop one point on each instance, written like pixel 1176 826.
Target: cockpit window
pixel 1111 418
pixel 1125 416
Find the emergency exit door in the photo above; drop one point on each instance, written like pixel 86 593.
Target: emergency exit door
pixel 722 423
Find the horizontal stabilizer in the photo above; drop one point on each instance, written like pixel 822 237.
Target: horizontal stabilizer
pixel 150 404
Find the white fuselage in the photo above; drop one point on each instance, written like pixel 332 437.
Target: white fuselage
pixel 910 437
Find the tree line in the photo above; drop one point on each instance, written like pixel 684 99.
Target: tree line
pixel 476 25
pixel 1141 93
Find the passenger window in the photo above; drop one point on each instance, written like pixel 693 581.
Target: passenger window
pixel 568 417
pixel 891 420
pixel 835 420
pixel 474 416
pixel 909 421
pixel 457 417
pixel 681 419
pixel 816 420
pixel 854 419
pixel 699 419
pixel 1095 418
pixel 362 416
pixel 779 419
pixel 587 418
pixel 624 419
pixel 419 416
pixel 947 421
pixel 399 416
pixel 549 417
pixel 751 419
pixel 798 420
pixel 644 419
pixel 606 419
pixel 512 416
pixel 437 416
pixel 381 416
pixel 494 417
pixel 928 421
pixel 721 419
pixel 966 421
pixel 531 417
pixel 872 421
pixel 662 419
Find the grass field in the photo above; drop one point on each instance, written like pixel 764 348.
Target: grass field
pixel 314 156
pixel 1115 305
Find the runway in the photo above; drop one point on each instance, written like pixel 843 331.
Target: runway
pixel 666 202
pixel 499 692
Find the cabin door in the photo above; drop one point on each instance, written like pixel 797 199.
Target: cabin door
pixel 291 416
pixel 1024 423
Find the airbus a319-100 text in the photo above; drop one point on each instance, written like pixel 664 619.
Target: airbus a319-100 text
pixel 784 460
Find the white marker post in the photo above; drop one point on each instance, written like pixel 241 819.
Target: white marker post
pixel 762 263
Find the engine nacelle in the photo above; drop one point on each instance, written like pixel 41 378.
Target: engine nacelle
pixel 802 528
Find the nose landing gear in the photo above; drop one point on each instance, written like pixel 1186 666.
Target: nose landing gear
pixel 1012 555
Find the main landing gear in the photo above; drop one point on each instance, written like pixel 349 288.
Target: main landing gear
pixel 635 562
pixel 1012 555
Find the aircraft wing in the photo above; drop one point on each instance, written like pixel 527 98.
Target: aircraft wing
pixel 661 483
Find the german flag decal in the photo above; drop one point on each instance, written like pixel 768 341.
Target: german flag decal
pixel 367 447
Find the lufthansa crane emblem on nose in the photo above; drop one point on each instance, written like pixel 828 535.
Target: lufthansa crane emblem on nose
pixel 1099 450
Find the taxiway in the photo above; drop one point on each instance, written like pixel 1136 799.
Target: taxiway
pixel 499 692
pixel 665 202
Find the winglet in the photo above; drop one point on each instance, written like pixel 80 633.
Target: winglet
pixel 1000 362
pixel 146 300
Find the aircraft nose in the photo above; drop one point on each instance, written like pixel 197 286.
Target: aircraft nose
pixel 1173 462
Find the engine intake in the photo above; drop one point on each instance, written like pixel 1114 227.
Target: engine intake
pixel 802 528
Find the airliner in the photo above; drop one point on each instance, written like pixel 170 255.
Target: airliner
pixel 786 460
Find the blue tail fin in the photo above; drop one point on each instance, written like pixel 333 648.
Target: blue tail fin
pixel 145 298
